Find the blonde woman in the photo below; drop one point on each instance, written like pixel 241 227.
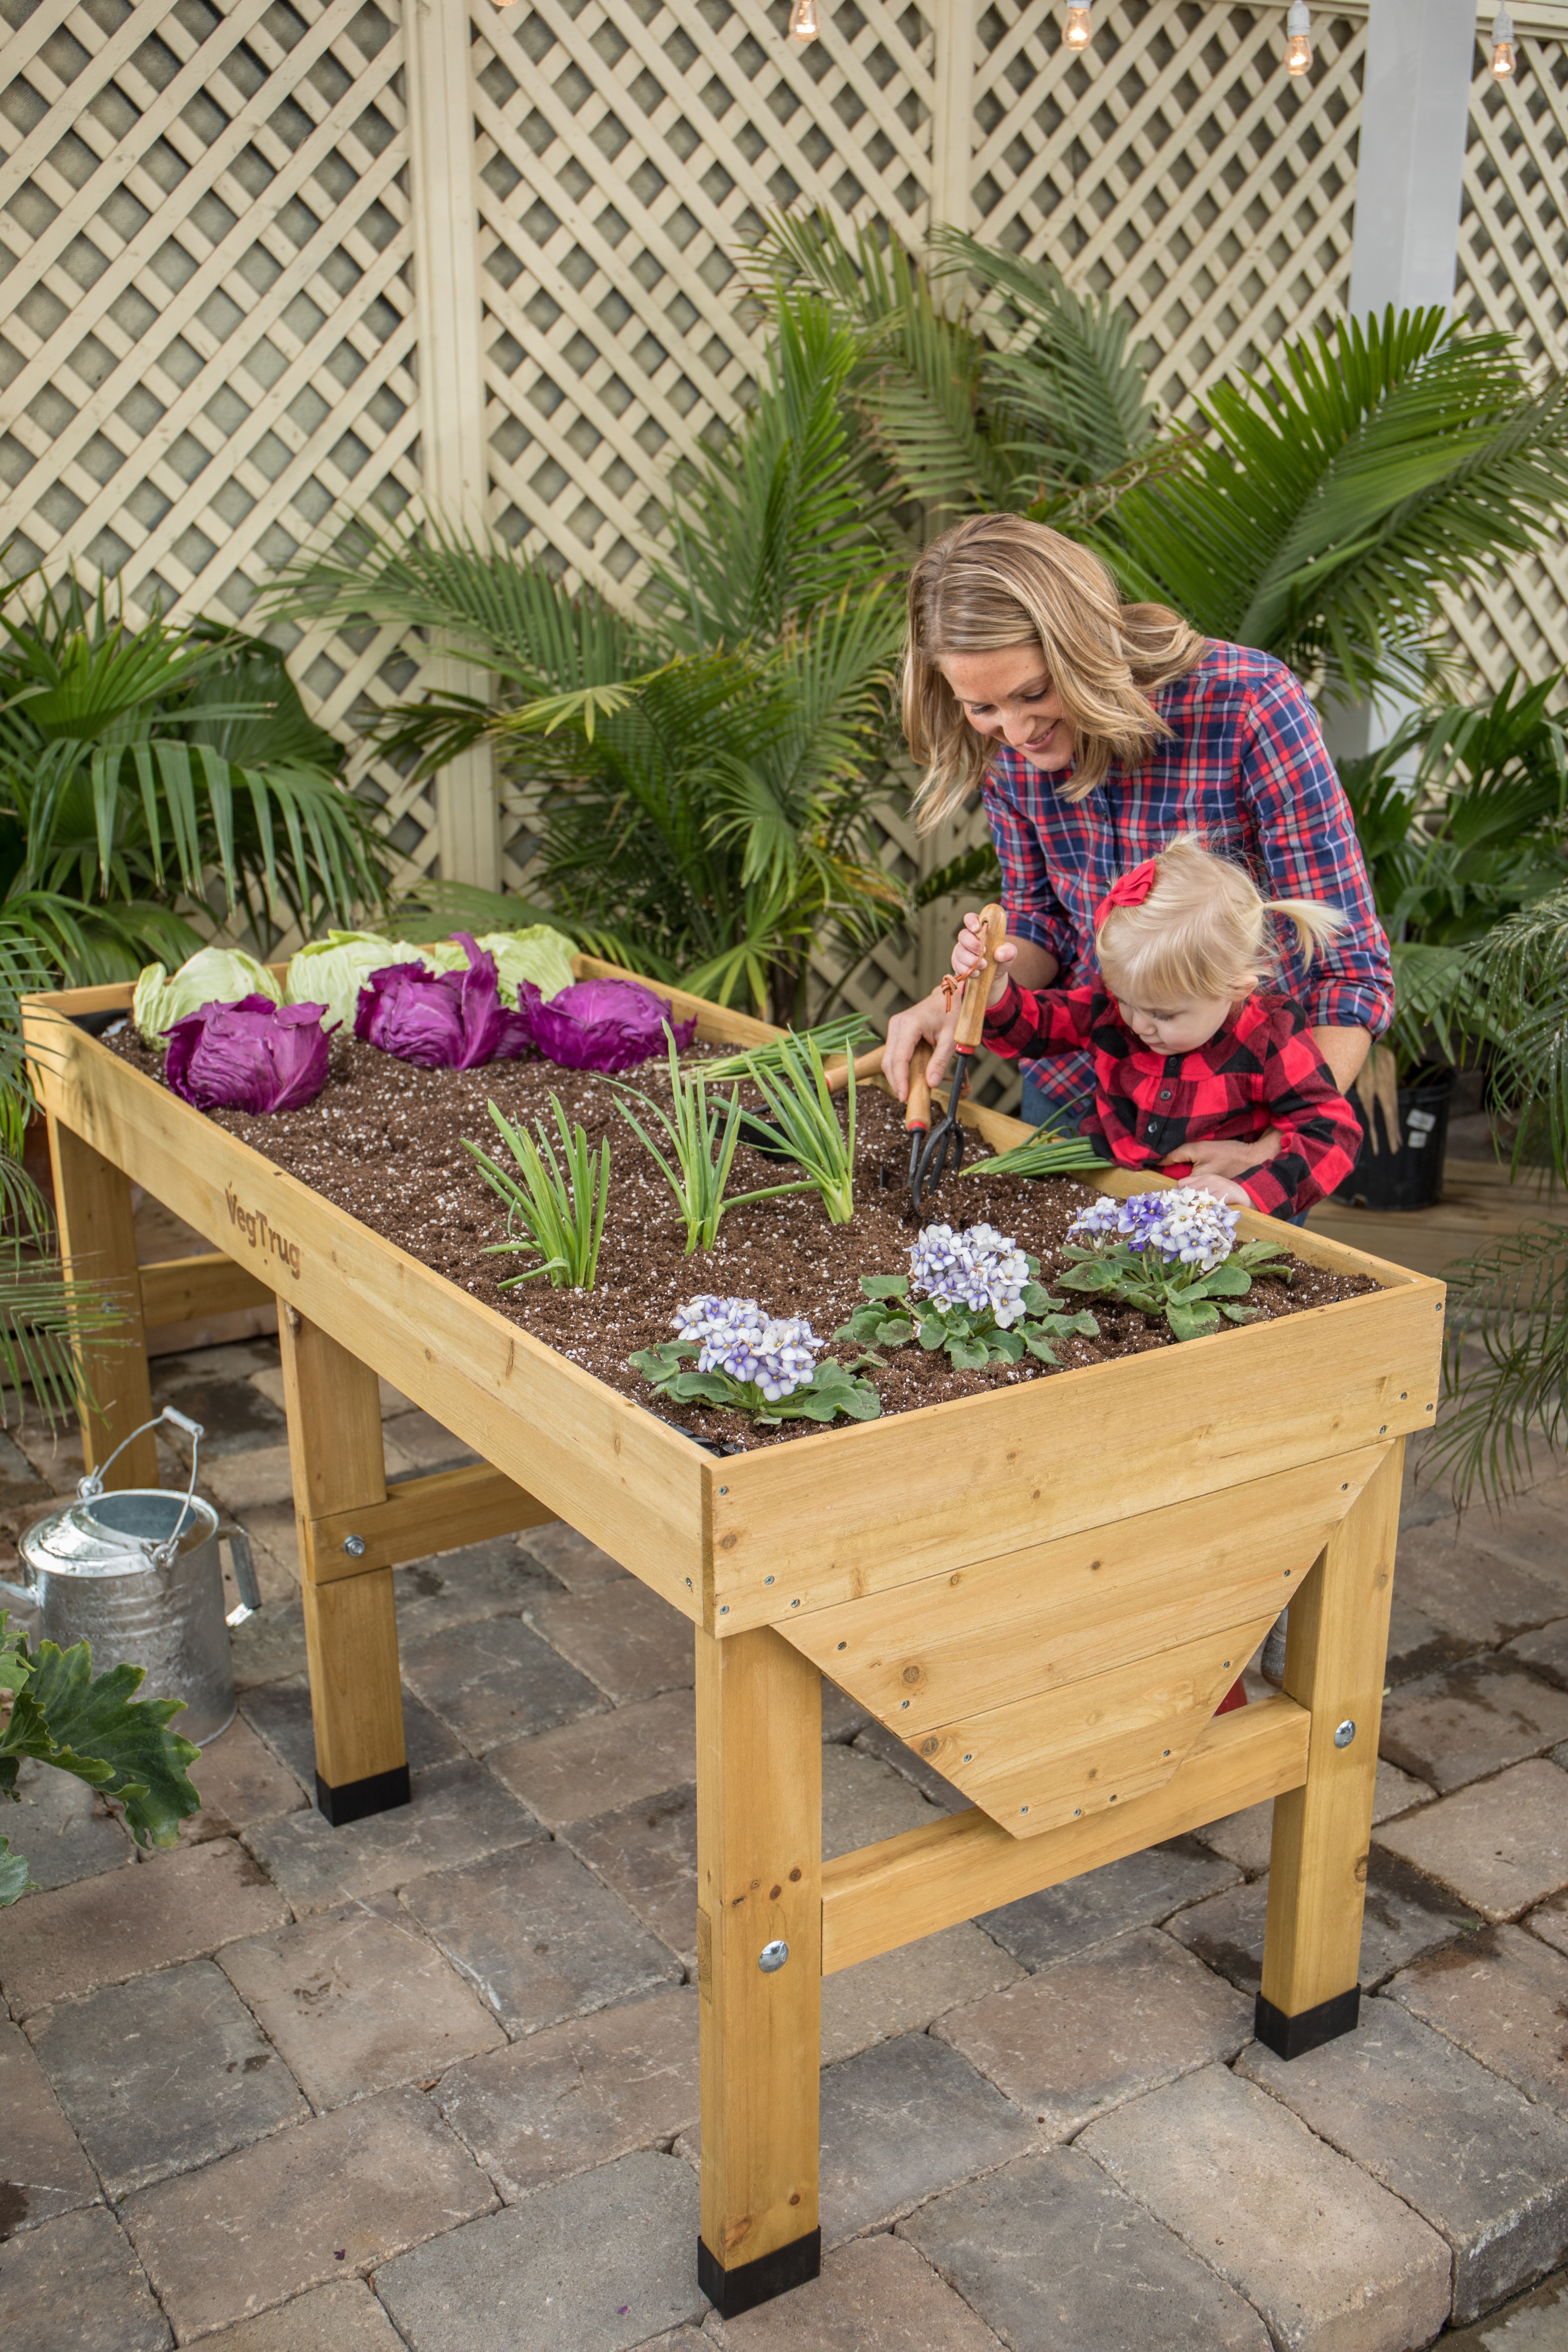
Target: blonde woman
pixel 1095 732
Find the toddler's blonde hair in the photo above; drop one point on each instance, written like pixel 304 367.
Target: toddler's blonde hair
pixel 1205 929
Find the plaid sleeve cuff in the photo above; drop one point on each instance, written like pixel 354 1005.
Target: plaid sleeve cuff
pixel 1349 1005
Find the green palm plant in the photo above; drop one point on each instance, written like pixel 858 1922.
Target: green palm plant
pixel 140 764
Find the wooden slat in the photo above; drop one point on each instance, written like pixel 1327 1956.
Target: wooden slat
pixel 927 1653
pixel 184 1289
pixel 97 1244
pixel 438 1513
pixel 930 1878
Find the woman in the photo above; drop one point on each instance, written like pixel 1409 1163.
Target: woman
pixel 1096 731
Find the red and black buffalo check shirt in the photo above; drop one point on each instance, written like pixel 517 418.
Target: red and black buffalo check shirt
pixel 1244 767
pixel 1261 1070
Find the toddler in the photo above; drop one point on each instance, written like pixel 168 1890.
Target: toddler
pixel 1188 1039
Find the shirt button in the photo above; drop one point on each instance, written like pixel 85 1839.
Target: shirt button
pixel 1164 1094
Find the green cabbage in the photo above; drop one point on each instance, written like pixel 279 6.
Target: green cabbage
pixel 332 970
pixel 538 954
pixel 212 976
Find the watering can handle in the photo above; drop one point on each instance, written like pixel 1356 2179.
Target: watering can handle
pixel 91 1488
pixel 244 1568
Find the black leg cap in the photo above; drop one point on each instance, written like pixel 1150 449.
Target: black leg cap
pixel 741 2289
pixel 377 1793
pixel 1292 2037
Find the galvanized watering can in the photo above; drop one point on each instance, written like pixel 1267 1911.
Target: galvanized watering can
pixel 137 1574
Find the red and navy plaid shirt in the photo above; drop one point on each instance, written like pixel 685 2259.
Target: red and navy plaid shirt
pixel 1244 767
pixel 1260 1070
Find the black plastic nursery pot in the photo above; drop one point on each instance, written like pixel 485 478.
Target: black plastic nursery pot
pixel 1406 1172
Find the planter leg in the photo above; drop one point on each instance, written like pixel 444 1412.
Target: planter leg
pixel 98 1244
pixel 351 1620
pixel 1317 1876
pixel 758 1877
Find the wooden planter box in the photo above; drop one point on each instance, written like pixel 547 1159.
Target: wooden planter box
pixel 1045 1591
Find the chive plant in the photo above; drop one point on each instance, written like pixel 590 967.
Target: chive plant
pixel 839 1036
pixel 794 1088
pixel 1044 1153
pixel 560 1209
pixel 702 1137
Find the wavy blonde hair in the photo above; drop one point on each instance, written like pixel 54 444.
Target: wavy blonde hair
pixel 999 581
pixel 1205 929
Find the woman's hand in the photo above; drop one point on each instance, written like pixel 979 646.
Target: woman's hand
pixel 969 954
pixel 932 1019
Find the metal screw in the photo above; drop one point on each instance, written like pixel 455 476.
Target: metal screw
pixel 1402 1394
pixel 1287 1575
pixel 1382 1429
pixel 844 1645
pixel 1344 1733
pixel 1023 1809
pixel 723 1490
pixel 903 1702
pixel 1113 1800
pixel 969 1759
pixel 354 1546
pixel 767 1580
pixel 772 1958
pixel 1225 1661
pixel 723 1609
pixel 1078 1813
pixel 794 1604
pixel 1165 1751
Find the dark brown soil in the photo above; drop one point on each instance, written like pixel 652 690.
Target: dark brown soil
pixel 384 1140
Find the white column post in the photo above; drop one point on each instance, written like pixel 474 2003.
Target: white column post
pixel 445 219
pixel 953 112
pixel 1410 172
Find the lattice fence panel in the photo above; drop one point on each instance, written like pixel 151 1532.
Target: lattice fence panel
pixel 208 344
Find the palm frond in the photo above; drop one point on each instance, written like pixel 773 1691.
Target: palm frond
pixel 1511 1301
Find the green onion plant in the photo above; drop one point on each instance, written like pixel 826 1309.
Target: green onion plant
pixel 702 1137
pixel 794 1088
pixel 560 1210
pixel 839 1036
pixel 1045 1153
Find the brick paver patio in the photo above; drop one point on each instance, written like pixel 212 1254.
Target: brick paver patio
pixel 432 2079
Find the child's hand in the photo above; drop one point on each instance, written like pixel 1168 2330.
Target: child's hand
pixel 1219 1188
pixel 969 954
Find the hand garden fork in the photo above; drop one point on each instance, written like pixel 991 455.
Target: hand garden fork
pixel 929 1163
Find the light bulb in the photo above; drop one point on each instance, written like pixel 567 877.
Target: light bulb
pixel 1077 30
pixel 1299 38
pixel 1502 45
pixel 803 24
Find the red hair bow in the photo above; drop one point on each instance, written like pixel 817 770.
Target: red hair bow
pixel 1128 890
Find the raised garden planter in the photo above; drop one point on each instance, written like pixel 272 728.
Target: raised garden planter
pixel 1046 1589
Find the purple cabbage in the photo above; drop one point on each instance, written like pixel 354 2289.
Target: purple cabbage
pixel 600 1025
pixel 442 1020
pixel 254 1056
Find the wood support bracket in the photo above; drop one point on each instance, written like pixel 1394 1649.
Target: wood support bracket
pixel 184 1289
pixel 420 1515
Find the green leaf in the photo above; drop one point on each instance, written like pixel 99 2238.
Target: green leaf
pixel 1227 1281
pixel 1005 1347
pixel 1092 1275
pixel 933 1331
pixel 1034 1338
pixel 1191 1319
pixel 1239 1313
pixel 864 1325
pixel 885 1285
pixel 92 1727
pixel 894 1330
pixel 16 1879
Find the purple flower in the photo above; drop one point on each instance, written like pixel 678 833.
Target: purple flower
pixel 254 1056
pixel 600 1025
pixel 442 1020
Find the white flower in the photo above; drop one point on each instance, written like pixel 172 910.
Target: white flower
pixel 979 1269
pixel 1186 1228
pixel 735 1336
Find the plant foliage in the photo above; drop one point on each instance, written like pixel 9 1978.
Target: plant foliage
pixel 831 1391
pixel 793 1083
pixel 971 1336
pixel 555 1206
pixel 702 1141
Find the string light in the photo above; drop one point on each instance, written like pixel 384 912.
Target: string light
pixel 1299 38
pixel 1077 30
pixel 1502 43
pixel 803 24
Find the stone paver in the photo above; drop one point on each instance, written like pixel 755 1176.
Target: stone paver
pixel 342 2317
pixel 164 2073
pixel 571 1559
pixel 876 1739
pixel 422 1443
pixel 344 2190
pixel 1244 1838
pixel 1502 1846
pixel 42 2169
pixel 647 1853
pixel 1417 1646
pixel 1503 1997
pixel 537 1935
pixel 1390 2095
pixel 843 1719
pixel 865 1801
pixel 901 2121
pixel 1105 2026
pixel 1136 1892
pixel 902 1991
pixel 240 1781
pixel 1454 1727
pixel 1551 1922
pixel 458 1811
pixel 482 1580
pixel 106 1929
pixel 876 2294
pixel 593 2264
pixel 602 1761
pixel 235 1415
pixel 1453 1582
pixel 1332 2261
pixel 1058 2259
pixel 1546 1650
pixel 629 1642
pixel 269 1643
pixel 1531 1533
pixel 63 1828
pixel 1536 2323
pixel 494 1680
pixel 1406 1915
pixel 281 1713
pixel 579 2094
pixel 358 2000
pixel 75 2286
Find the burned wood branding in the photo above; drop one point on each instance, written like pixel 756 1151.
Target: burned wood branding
pixel 261 1234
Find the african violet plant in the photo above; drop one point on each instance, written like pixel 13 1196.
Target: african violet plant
pixel 1171 1255
pixel 753 1362
pixel 976 1297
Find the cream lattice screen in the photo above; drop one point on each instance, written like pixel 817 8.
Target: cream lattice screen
pixel 207 232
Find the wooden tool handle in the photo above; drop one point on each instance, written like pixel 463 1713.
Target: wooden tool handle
pixel 977 987
pixel 917 1111
pixel 867 1066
